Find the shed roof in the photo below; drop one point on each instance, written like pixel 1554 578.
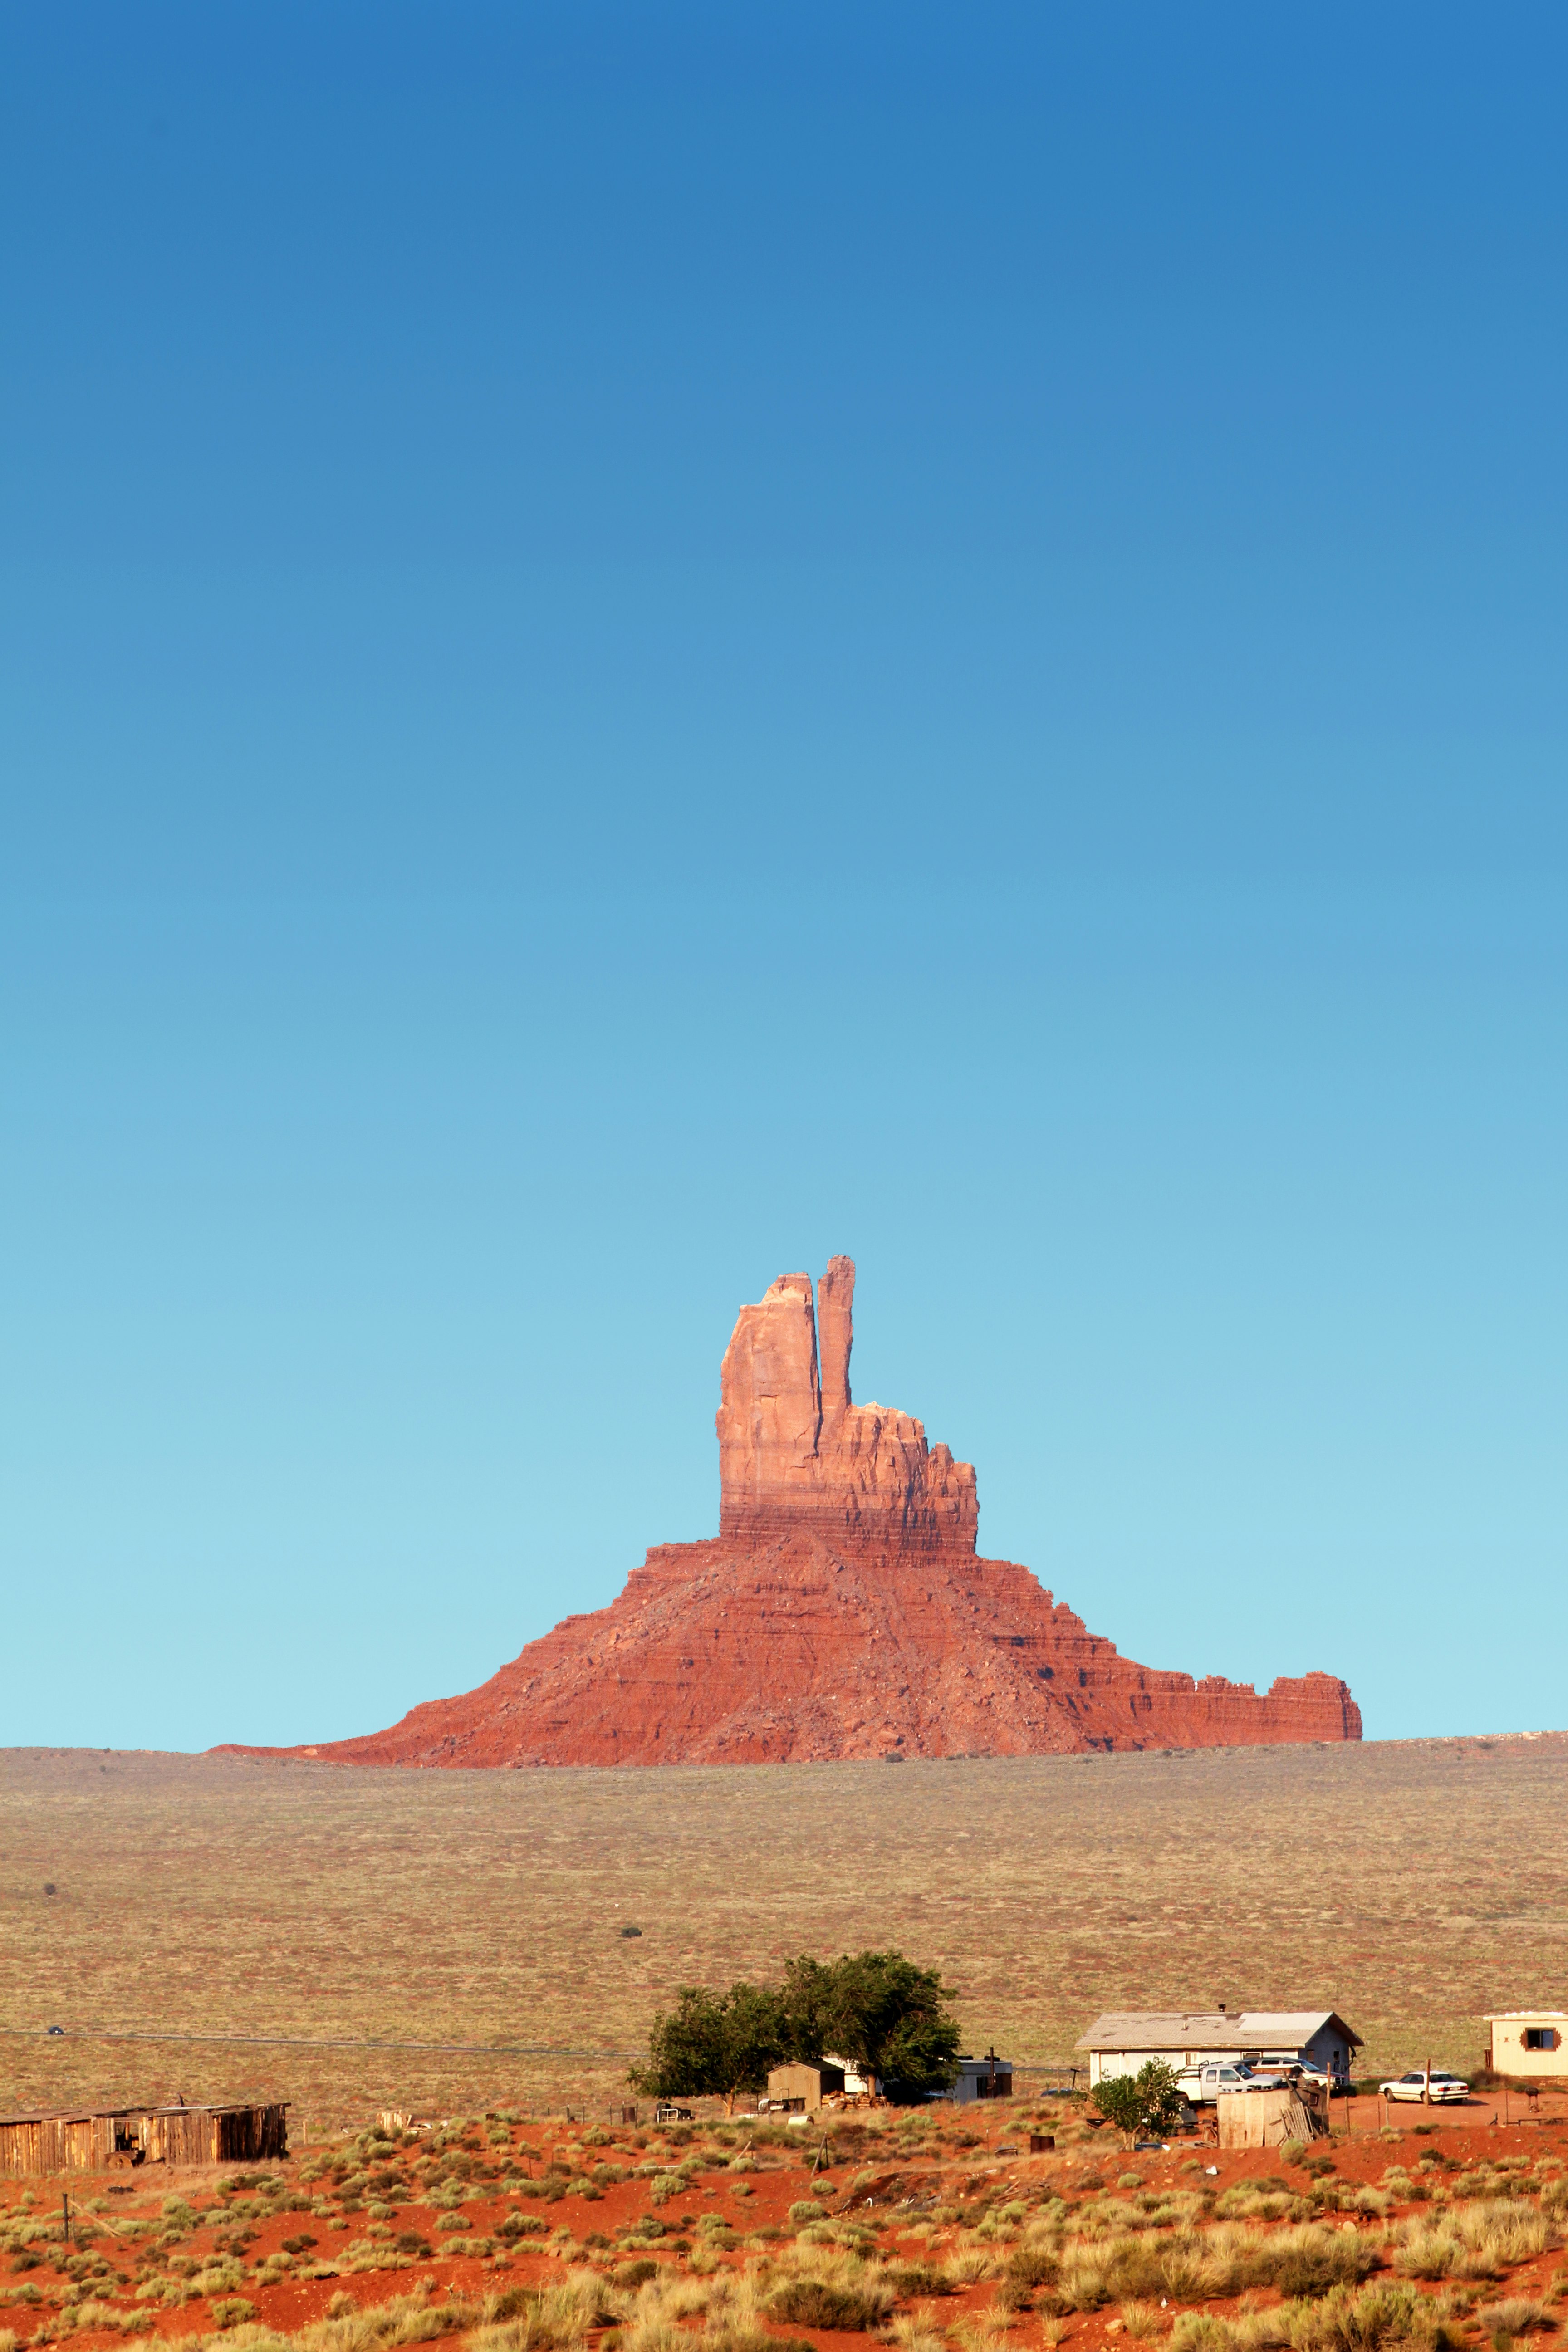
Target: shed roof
pixel 1502 2016
pixel 1211 2029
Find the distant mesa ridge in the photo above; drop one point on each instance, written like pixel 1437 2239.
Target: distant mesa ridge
pixel 841 1613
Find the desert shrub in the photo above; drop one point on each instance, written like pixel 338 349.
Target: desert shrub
pixel 1346 2321
pixel 1307 2262
pixel 220 2276
pixel 1193 2267
pixel 231 2310
pixel 911 2279
pixel 1109 2217
pixel 1250 2201
pixel 805 2209
pixel 1203 2331
pixel 1516 2315
pixel 1033 2264
pixel 819 2302
pixel 918 2333
pixel 1474 2241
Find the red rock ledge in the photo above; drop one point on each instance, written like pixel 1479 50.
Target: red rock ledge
pixel 843 1611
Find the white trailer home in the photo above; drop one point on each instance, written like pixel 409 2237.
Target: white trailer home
pixel 1123 2040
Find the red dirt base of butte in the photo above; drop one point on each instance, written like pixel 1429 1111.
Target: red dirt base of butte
pixel 842 1611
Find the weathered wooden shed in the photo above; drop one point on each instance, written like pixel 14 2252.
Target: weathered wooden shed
pixel 91 2141
pixel 1268 2118
pixel 803 2088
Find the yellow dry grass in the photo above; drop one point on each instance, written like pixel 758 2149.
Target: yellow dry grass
pixel 1414 1886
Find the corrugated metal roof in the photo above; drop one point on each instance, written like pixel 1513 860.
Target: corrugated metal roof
pixel 1210 2029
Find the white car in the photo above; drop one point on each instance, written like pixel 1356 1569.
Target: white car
pixel 1419 2085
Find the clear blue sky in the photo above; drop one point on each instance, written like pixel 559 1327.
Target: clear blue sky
pixel 643 643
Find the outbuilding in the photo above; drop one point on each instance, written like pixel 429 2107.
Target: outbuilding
pixel 982 2078
pixel 800 2090
pixel 1532 2043
pixel 1124 2039
pixel 90 2140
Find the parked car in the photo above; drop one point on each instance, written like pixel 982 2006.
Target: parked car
pixel 1201 2086
pixel 1417 2082
pixel 1291 2076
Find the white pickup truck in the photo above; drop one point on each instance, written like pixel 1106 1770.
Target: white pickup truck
pixel 1201 2086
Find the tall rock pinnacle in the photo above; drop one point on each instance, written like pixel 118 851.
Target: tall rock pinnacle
pixel 795 1451
pixel 841 1612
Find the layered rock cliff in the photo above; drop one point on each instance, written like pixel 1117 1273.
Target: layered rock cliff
pixel 842 1611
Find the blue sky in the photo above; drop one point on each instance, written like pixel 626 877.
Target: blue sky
pixel 638 645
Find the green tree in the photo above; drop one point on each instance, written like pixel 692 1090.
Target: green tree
pixel 879 2011
pixel 713 2045
pixel 1149 2101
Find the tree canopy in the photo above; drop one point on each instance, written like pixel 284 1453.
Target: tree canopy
pixel 1149 2101
pixel 877 2010
pixel 713 2044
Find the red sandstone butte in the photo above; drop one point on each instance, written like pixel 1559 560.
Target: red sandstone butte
pixel 842 1611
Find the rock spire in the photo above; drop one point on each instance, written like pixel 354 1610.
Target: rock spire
pixel 796 1451
pixel 842 1612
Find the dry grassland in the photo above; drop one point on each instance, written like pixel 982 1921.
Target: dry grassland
pixel 1414 1886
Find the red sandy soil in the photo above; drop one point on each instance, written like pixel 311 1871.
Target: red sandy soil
pixel 961 2176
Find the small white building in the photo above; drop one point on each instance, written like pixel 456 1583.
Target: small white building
pixel 1124 2039
pixel 1532 2043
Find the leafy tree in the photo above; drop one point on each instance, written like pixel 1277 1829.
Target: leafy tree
pixel 713 2044
pixel 878 2009
pixel 1149 2101
pixel 807 2000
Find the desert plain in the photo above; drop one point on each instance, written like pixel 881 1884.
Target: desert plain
pixel 302 1929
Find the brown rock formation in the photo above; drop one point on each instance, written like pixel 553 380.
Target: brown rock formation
pixel 841 1613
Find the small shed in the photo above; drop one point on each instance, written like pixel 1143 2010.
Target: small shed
pixel 982 2078
pixel 1532 2043
pixel 1124 2040
pixel 92 2140
pixel 803 2088
pixel 1268 2118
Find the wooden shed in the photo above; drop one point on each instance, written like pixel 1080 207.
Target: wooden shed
pixel 1268 2118
pixel 93 2141
pixel 803 2088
